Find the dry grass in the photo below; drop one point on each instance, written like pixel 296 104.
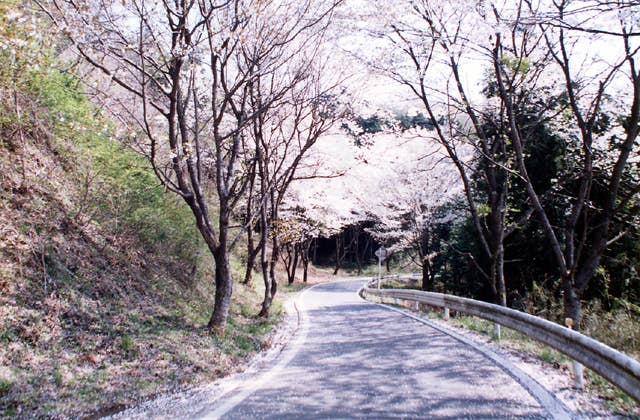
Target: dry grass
pixel 91 318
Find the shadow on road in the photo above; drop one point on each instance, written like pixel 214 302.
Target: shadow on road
pixel 361 360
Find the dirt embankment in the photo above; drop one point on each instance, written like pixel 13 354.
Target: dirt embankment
pixel 98 308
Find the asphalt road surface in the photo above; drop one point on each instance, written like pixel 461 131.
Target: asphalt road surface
pixel 354 359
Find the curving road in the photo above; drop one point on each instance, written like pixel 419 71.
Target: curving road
pixel 354 359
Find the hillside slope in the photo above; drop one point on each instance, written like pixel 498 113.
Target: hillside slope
pixel 104 283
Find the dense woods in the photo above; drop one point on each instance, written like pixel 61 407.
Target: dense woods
pixel 184 160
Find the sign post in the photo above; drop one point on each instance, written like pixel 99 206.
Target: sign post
pixel 382 255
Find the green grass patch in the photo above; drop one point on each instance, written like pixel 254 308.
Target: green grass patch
pixel 120 189
pixel 616 400
pixel 398 284
pixel 5 386
pixel 58 378
pixel 126 344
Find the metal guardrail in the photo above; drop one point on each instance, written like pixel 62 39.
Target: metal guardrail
pixel 620 369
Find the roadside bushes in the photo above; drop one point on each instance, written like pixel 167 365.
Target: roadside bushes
pixel 119 190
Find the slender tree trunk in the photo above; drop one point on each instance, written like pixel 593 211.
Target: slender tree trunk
pixel 251 262
pixel 304 256
pixel 252 255
pixel 572 288
pixel 287 259
pixel 339 253
pixel 220 253
pixel 275 245
pixel 290 260
pixel 571 302
pixel 432 276
pixel 224 286
pixel 427 277
pixel 496 276
pixel 264 263
pixel 275 254
pixel 423 254
pixel 315 251
pixel 266 302
pixel 252 252
pixel 305 270
pixel 357 249
pixel 294 263
pixel 502 286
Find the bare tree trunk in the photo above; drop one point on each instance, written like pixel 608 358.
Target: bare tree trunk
pixel 571 302
pixel 305 257
pixel 356 240
pixel 275 245
pixel 290 260
pixel 264 264
pixel 252 254
pixel 496 277
pixel 339 252
pixel 305 271
pixel 273 263
pixel 423 253
pixel 502 286
pixel 427 277
pixel 287 259
pixel 294 263
pixel 224 286
pixel 251 262
pixel 252 251
pixel 315 252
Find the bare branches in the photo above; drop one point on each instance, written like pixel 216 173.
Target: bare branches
pixel 187 71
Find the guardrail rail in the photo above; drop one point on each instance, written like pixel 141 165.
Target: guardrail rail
pixel 620 369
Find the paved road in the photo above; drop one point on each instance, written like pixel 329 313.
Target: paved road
pixel 354 359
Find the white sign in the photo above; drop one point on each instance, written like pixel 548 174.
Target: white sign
pixel 382 253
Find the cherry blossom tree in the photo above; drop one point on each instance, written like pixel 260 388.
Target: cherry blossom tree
pixel 431 47
pixel 409 202
pixel 187 69
pixel 283 137
pixel 602 112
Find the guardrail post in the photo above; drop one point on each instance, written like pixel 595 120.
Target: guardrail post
pixel 446 314
pixel 417 305
pixel 496 331
pixel 578 369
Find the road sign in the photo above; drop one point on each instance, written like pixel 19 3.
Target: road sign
pixel 382 253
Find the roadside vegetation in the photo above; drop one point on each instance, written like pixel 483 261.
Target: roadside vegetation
pixel 620 335
pixel 615 400
pixel 617 328
pixel 105 284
